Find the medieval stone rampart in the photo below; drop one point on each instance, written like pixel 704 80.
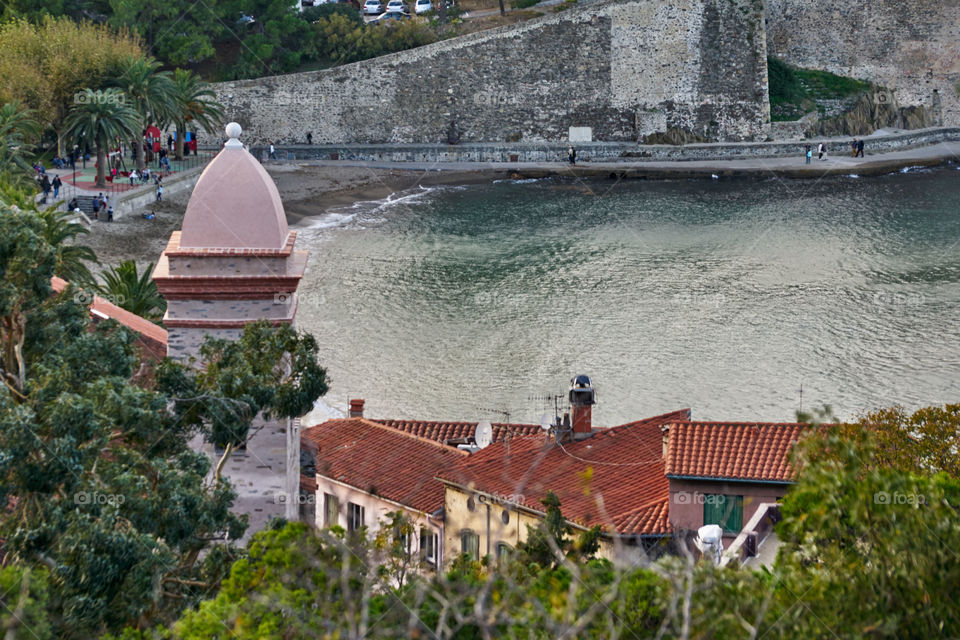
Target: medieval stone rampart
pixel 625 68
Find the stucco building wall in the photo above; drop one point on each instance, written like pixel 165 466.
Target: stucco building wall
pixel 687 499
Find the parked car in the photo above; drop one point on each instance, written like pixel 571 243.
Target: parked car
pixel 392 15
pixel 394 6
pixel 372 7
pixel 422 6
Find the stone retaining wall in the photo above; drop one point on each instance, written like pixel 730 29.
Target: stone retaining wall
pixel 624 68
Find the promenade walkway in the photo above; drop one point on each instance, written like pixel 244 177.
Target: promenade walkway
pixel 788 167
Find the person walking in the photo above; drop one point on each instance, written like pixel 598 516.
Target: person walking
pixel 96 205
pixel 273 152
pixel 859 148
pixel 45 187
pixel 110 213
pixel 57 183
pixel 809 154
pixel 853 148
pixel 309 138
pixel 572 155
pixel 159 192
pixel 820 150
pixel 133 177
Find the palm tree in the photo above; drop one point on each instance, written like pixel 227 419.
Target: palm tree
pixel 101 117
pixel 137 293
pixel 18 129
pixel 194 102
pixel 150 93
pixel 60 233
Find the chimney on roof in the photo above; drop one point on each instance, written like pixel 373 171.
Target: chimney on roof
pixel 582 399
pixel 356 408
pixel 665 430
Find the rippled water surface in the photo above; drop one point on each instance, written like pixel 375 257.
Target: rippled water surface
pixel 723 296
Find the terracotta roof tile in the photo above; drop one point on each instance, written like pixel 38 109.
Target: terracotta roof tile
pixel 733 450
pixel 381 460
pixel 614 478
pixel 447 431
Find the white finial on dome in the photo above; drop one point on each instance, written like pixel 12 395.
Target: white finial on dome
pixel 233 132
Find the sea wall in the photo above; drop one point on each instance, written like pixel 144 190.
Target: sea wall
pixel 908 46
pixel 508 153
pixel 624 68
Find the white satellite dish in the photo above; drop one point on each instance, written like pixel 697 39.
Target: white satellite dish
pixel 484 434
pixel 545 422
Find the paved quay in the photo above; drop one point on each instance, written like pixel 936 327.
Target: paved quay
pixel 783 167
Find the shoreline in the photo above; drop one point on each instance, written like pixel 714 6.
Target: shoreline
pixel 312 188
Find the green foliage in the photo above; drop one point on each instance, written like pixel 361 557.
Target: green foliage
pixel 18 131
pixel 794 91
pixel 24 598
pixel 108 495
pixel 193 101
pixel 267 371
pixel 137 293
pixel 342 40
pixel 71 258
pixel 45 65
pixel 312 14
pixel 151 94
pixel 523 4
pixel 179 32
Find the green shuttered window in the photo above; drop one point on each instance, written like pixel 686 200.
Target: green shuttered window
pixel 726 511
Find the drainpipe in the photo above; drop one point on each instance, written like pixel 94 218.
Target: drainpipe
pixel 488 528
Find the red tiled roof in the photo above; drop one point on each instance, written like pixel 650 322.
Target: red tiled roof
pixel 447 431
pixel 151 336
pixel 615 477
pixel 733 450
pixel 381 460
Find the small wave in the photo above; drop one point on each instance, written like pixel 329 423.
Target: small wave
pixel 852 175
pixel 344 215
pixel 518 180
pixel 914 169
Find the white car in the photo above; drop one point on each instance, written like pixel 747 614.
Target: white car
pixel 372 7
pixel 396 6
pixel 422 6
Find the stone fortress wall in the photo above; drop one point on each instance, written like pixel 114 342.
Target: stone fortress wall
pixel 625 68
pixel 911 47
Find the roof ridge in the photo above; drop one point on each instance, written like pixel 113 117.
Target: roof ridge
pixel 474 422
pixel 386 427
pixel 728 423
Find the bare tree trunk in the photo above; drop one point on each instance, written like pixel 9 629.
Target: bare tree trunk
pixel 503 11
pixel 218 472
pixel 101 166
pixel 181 134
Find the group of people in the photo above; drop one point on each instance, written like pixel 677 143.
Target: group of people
pixel 143 177
pixel 47 185
pixel 102 203
pixel 856 150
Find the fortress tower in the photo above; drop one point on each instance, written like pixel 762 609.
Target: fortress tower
pixel 234 260
pixel 234 263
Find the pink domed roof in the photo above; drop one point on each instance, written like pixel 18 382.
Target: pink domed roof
pixel 235 205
